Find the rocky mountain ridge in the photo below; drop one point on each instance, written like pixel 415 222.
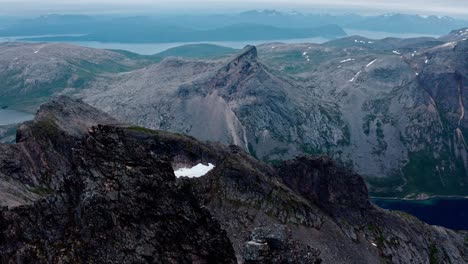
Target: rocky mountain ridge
pixel 391 109
pixel 86 188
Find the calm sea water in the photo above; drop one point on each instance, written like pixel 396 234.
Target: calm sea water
pixel 153 48
pixel 8 117
pixel 447 212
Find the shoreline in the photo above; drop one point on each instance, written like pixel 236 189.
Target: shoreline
pixel 424 198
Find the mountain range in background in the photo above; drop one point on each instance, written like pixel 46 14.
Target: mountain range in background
pixel 391 109
pixel 250 25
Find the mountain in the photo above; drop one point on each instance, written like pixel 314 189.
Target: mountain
pixel 400 124
pixel 269 24
pixel 456 35
pixel 233 100
pixel 197 51
pixel 32 72
pixel 50 25
pixel 372 105
pixel 390 109
pixel 79 187
pixel 397 23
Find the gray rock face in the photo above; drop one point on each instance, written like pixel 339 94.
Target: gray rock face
pixel 381 107
pixel 109 194
pixel 391 109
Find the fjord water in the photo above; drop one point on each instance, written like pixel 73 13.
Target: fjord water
pixel 8 117
pixel 153 48
pixel 447 212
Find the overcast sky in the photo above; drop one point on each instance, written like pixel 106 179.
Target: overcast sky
pixel 28 7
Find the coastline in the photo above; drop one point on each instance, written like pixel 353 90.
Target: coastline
pixel 420 198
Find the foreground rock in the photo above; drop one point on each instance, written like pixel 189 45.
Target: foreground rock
pixel 79 192
pixel 110 200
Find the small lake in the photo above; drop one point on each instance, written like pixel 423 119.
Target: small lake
pixel 8 117
pixel 447 212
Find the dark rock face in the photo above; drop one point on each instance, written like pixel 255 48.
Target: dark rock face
pixel 114 198
pixel 323 182
pixel 117 203
pixel 272 244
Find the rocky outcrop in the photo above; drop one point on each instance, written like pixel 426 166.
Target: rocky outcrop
pixel 272 244
pixel 110 198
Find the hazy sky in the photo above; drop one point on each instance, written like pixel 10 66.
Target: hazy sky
pixel 440 7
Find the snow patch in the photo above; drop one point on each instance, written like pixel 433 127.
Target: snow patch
pixel 426 61
pixel 359 41
pixel 194 172
pixel 396 52
pixel 254 243
pixel 343 61
pixel 374 244
pixel 355 76
pixel 370 63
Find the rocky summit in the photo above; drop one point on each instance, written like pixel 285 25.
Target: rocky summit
pixel 81 187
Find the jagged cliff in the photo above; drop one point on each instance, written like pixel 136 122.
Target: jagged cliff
pixel 79 187
pixel 100 198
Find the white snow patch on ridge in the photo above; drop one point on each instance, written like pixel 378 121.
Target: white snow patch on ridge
pixel 194 172
pixel 370 63
pixel 355 76
pixel 343 61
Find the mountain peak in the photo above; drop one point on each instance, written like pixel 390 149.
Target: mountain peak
pixel 249 52
pixel 71 116
pixel 243 62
